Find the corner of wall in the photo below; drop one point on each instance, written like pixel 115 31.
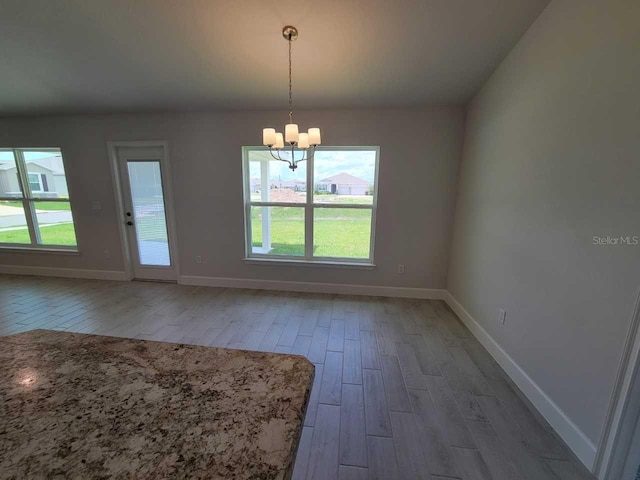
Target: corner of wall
pixel 558 419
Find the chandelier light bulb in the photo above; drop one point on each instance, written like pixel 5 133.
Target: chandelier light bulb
pixel 303 141
pixel 279 141
pixel 268 136
pixel 314 136
pixel 291 132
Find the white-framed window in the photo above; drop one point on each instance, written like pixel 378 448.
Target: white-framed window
pixel 323 212
pixel 35 210
pixel 35 182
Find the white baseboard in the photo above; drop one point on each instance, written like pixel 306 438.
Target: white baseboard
pixel 619 424
pixel 575 438
pixel 373 290
pixel 64 272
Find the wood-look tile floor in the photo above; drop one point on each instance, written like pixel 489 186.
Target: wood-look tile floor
pixel 402 389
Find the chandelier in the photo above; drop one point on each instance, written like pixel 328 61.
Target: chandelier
pixel 284 148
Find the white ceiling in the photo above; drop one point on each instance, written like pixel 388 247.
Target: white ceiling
pixel 129 55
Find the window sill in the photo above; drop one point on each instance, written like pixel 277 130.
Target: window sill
pixel 64 251
pixel 308 263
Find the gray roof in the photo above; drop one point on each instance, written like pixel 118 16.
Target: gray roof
pixel 53 163
pixel 344 179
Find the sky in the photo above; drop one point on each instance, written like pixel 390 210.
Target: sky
pixel 55 162
pixel 359 163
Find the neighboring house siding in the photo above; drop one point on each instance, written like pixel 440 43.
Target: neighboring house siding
pixel 37 169
pixel 60 185
pixel 352 189
pixel 53 185
pixel 5 184
pixel 10 183
pixel 344 184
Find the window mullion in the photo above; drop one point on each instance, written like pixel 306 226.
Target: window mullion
pixel 247 203
pixel 32 221
pixel 308 232
pixel 308 213
pixel 27 204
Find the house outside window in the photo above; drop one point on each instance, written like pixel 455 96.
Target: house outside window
pixel 35 182
pixel 322 212
pixel 35 209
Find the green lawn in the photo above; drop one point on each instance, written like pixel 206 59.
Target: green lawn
pixel 338 232
pixel 62 234
pixel 152 229
pixel 348 199
pixel 53 206
pixel 343 232
pixel 42 205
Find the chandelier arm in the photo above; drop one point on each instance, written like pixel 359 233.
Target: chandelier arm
pixel 306 155
pixel 277 157
pixel 310 152
pixel 293 156
pixel 271 152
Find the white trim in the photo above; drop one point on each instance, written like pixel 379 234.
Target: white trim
pixel 25 247
pixel 64 272
pixel 618 428
pixel 311 263
pixel 575 438
pixel 309 205
pixel 167 186
pixel 287 286
pixel 112 149
pixel 28 198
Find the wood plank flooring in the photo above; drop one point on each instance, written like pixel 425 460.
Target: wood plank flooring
pixel 402 389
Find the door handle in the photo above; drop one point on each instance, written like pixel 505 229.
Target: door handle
pixel 129 223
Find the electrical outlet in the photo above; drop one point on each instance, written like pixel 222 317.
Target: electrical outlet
pixel 198 259
pixel 502 316
pixel 107 254
pixel 400 268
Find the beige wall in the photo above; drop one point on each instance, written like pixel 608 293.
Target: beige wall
pixel 552 159
pixel 420 151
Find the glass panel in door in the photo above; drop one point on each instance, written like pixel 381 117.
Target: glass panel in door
pixel 147 197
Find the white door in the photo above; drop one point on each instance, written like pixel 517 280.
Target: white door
pixel 143 185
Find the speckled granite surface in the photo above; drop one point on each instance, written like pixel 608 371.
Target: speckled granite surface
pixel 91 407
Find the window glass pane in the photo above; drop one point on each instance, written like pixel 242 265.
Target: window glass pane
pixel 46 173
pixel 277 230
pixel 13 223
pixel 273 181
pixel 34 182
pixel 55 223
pixel 344 176
pixel 149 217
pixel 9 184
pixel 341 232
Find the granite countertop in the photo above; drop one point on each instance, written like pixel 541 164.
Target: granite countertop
pixel 92 407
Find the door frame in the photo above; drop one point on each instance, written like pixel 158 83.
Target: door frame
pixel 624 407
pixel 165 165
